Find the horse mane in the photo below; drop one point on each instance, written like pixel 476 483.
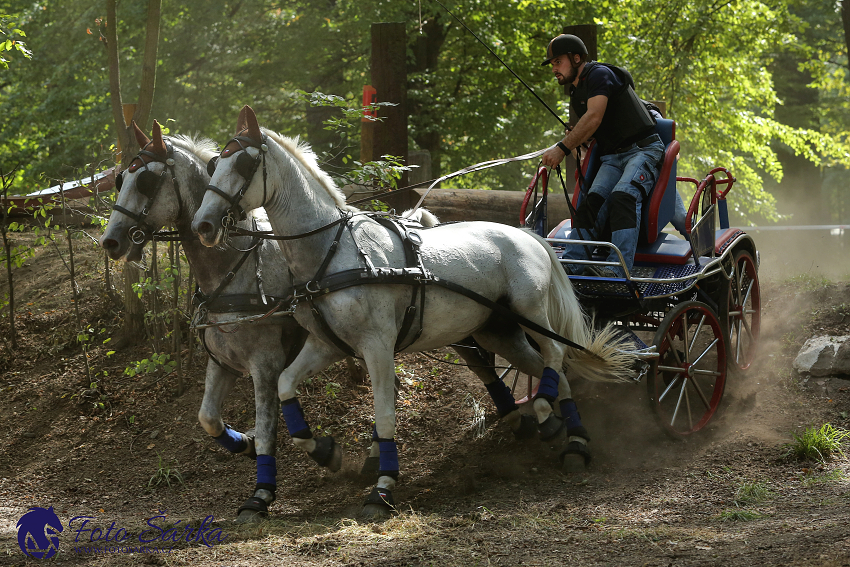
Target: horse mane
pixel 204 148
pixel 304 155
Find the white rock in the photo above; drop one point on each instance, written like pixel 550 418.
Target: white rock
pixel 824 356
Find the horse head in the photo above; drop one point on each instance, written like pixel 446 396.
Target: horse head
pixel 149 193
pixel 234 187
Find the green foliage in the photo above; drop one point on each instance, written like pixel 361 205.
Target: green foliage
pixel 156 363
pixel 10 42
pixel 817 444
pixel 753 493
pixel 164 474
pixel 711 62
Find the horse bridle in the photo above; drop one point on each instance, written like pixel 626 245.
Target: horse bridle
pixel 148 184
pixel 246 166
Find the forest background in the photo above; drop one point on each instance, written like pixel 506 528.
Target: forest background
pixel 760 87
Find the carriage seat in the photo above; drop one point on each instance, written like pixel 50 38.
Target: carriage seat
pixel 659 207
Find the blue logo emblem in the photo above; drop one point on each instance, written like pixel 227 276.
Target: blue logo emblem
pixel 38 532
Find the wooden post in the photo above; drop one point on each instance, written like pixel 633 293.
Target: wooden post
pixel 389 78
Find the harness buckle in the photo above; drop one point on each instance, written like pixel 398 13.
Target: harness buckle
pixel 137 235
pixel 307 287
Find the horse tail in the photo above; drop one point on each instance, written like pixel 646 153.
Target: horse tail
pixel 604 358
pixel 423 216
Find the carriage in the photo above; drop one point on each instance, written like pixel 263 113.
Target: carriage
pixel 691 307
pixel 696 300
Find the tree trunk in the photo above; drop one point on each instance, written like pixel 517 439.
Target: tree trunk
pixel 133 308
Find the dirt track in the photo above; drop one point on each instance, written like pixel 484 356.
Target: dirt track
pixel 466 499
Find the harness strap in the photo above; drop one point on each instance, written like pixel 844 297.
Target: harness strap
pixel 361 276
pixel 230 275
pixel 504 311
pixel 238 302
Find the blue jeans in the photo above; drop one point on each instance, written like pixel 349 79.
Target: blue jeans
pixel 620 185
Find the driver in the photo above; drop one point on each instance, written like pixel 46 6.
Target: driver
pixel 602 99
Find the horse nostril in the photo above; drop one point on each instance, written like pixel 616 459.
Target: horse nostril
pixel 109 244
pixel 205 228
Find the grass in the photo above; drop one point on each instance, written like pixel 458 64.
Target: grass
pixel 817 444
pixel 164 475
pixel 753 493
pixel 739 515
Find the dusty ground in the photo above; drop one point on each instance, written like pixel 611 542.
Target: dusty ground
pixel 468 495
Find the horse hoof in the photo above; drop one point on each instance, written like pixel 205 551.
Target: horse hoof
pixel 336 458
pixel 550 428
pixel 250 517
pixel 327 453
pixel 575 457
pixel 375 512
pixel 251 450
pixel 379 505
pixel 526 429
pixel 371 466
pixel 253 510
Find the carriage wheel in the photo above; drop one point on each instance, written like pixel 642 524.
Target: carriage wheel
pixel 687 385
pixel 740 314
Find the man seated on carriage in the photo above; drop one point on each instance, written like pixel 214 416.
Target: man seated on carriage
pixel 603 99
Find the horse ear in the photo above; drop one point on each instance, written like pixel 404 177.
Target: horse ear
pixel 253 126
pixel 242 121
pixel 158 146
pixel 141 137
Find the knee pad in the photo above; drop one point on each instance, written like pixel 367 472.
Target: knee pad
pixel 623 207
pixel 588 210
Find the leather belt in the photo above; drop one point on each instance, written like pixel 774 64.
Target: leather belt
pixel 639 144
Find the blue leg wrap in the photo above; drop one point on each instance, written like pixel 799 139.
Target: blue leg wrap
pixel 570 414
pixel 389 458
pixel 502 397
pixel 266 470
pixel 548 389
pixel 232 440
pixel 294 418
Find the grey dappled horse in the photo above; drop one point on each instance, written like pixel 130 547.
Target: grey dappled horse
pixel 508 267
pixel 171 193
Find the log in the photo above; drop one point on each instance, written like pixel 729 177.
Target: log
pixel 494 206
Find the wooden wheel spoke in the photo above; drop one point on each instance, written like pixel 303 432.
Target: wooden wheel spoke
pixel 673 348
pixel 669 387
pixel 708 348
pixel 696 334
pixel 701 395
pixel 704 372
pixel 678 402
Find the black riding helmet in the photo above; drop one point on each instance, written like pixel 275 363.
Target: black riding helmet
pixel 563 44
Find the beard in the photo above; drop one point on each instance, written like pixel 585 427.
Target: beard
pixel 570 76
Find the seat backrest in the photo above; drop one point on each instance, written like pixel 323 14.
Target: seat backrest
pixel 659 207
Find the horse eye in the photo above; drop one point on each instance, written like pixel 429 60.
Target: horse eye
pixel 245 165
pixel 211 165
pixel 146 183
pixel 119 181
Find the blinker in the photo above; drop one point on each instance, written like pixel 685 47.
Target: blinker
pixel 119 181
pixel 211 165
pixel 245 165
pixel 147 183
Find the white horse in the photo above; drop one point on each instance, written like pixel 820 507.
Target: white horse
pixel 171 194
pixel 511 271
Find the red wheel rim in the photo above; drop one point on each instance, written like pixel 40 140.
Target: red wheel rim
pixel 688 384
